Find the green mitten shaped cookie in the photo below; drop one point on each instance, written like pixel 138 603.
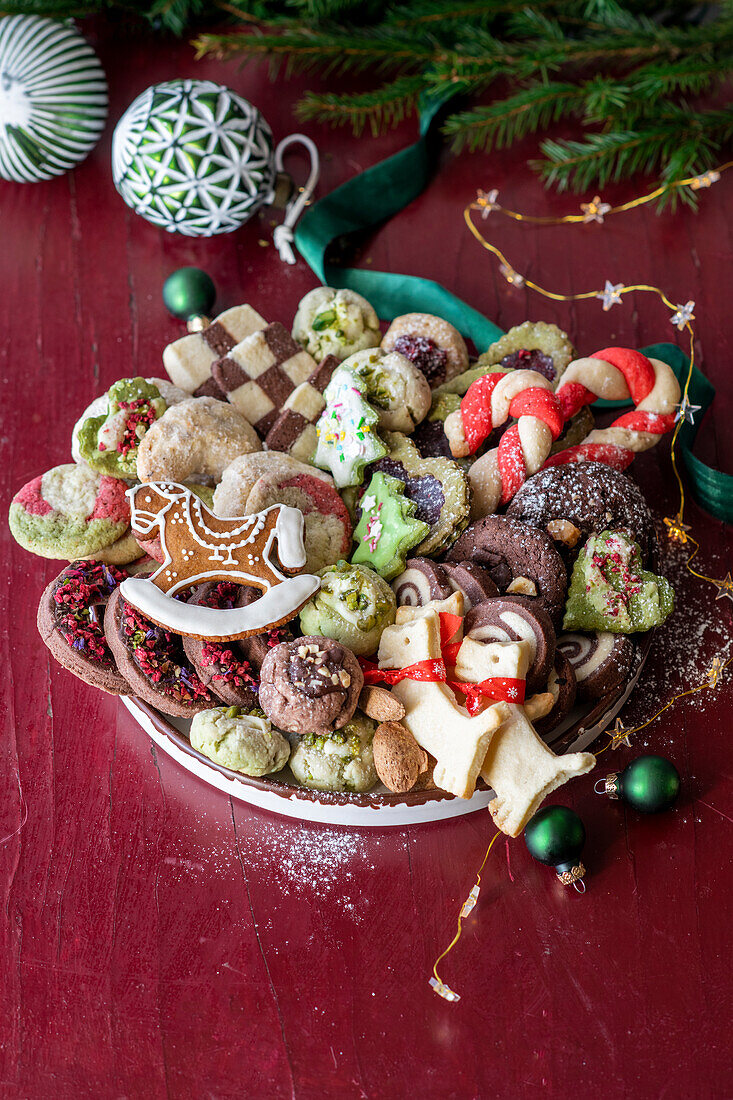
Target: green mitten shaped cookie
pixel 347 431
pixel 109 443
pixel 353 606
pixel 610 590
pixel 387 530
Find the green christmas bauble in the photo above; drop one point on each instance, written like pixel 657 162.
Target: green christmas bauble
pixel 53 98
pixel 193 157
pixel 189 292
pixel 649 784
pixel 556 836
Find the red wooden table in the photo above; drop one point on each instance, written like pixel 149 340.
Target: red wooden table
pixel 160 940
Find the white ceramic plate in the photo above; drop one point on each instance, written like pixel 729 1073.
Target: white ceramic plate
pixel 378 808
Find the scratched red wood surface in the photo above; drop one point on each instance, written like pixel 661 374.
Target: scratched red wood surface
pixel 158 939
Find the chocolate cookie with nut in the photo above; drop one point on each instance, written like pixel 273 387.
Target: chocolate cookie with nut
pixel 310 685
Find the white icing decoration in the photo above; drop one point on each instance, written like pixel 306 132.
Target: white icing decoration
pixel 281 602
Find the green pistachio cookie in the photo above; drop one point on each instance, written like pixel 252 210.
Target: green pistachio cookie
pixel 243 740
pixel 108 443
pixel 388 529
pixel 438 487
pixel 461 382
pixel 394 386
pixel 335 322
pixel 353 606
pixel 341 761
pixel 610 590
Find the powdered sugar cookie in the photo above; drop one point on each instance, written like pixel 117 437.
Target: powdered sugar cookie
pixel 335 322
pixel 238 479
pixel 431 343
pixel 327 522
pixel 69 512
pixel 196 438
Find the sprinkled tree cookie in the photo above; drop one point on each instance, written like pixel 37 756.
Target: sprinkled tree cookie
pixel 346 430
pixel 388 528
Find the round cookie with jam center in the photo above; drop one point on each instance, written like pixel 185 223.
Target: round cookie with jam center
pixel 70 622
pixel 310 685
pixel 432 344
pixel 519 557
pixel 590 496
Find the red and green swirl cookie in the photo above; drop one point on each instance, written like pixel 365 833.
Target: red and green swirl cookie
pixel 69 512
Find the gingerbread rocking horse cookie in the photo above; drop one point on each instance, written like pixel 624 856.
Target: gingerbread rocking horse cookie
pixel 258 550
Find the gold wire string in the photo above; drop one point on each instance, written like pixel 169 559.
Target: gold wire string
pixel 621 733
pixel 676 528
pixel 436 981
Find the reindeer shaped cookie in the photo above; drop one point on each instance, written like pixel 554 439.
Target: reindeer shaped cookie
pixel 199 546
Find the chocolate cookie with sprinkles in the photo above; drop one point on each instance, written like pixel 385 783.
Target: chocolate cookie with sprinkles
pixel 222 666
pixel 153 662
pixel 70 622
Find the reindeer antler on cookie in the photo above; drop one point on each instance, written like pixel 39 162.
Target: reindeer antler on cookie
pixel 614 374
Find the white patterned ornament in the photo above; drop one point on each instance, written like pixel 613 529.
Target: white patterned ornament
pixel 53 98
pixel 195 158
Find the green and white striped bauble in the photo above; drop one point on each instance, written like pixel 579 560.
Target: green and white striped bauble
pixel 193 157
pixel 53 98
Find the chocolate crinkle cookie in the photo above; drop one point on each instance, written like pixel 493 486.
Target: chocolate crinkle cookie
pixel 589 497
pixel 310 685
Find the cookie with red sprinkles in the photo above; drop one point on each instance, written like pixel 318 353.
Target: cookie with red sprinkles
pixel 69 512
pixel 71 623
pixel 153 661
pixel 222 666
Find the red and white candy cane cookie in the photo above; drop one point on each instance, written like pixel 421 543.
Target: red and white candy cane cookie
pixel 613 373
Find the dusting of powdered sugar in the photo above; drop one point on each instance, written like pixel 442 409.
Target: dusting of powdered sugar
pixel 314 861
pixel 699 629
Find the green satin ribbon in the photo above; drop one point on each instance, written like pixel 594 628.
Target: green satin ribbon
pixel 381 191
pixel 368 199
pixel 712 489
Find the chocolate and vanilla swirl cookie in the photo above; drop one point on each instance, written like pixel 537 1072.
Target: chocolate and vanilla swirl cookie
pixel 561 685
pixel 601 662
pixel 516 619
pixel 424 580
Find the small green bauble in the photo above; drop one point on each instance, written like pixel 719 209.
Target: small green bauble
pixel 189 292
pixel 556 836
pixel 650 784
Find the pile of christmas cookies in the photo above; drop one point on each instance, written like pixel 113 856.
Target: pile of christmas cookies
pixel 303 488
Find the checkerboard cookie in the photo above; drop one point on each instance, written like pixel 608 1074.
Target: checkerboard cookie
pixel 294 431
pixel 190 359
pixel 260 373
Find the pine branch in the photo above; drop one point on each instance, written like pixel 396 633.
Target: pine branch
pixel 508 120
pixel 681 143
pixel 386 106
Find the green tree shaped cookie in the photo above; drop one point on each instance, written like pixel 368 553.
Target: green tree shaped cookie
pixel 387 530
pixel 347 431
pixel 610 590
pixel 109 443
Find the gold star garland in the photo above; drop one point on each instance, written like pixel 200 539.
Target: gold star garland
pixel 682 316
pixel 677 530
